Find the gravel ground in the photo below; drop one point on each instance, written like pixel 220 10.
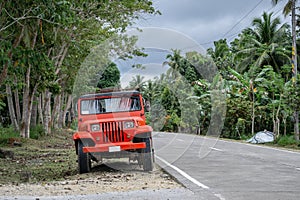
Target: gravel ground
pixel 161 194
pixel 103 179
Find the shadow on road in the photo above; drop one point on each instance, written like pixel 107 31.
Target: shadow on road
pixel 118 165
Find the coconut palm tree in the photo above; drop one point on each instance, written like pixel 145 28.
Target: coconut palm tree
pixel 288 6
pixel 221 54
pixel 265 44
pixel 175 62
pixel 137 82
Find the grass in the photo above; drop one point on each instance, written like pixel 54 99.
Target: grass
pixel 49 158
pixel 37 132
pixel 9 132
pixel 6 133
pixel 287 141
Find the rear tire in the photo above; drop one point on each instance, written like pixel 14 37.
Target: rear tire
pixel 84 160
pixel 148 155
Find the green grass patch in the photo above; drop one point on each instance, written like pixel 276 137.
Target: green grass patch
pixel 6 133
pixel 287 141
pixel 51 157
pixel 37 132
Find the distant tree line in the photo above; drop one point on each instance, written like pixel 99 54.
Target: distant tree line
pixel 254 72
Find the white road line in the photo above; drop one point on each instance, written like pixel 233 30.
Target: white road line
pixel 298 169
pixel 183 173
pixel 180 140
pixel 212 148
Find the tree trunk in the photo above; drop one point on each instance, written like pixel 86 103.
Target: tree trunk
pixel 55 111
pixel 25 121
pixel 47 112
pixel 61 110
pixel 296 125
pixel 40 110
pixel 30 103
pixel 62 106
pixel 274 121
pixel 17 105
pixel 34 111
pixel 58 112
pixel 11 108
pixel 27 106
pixel 253 115
pixel 278 120
pixel 278 126
pixel 67 108
pixel 284 125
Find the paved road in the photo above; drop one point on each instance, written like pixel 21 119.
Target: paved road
pixel 225 170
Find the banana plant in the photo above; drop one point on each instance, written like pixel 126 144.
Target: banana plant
pixel 243 85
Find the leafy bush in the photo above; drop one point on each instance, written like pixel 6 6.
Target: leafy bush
pixel 6 133
pixel 74 124
pixel 245 137
pixel 171 123
pixel 37 132
pixel 287 141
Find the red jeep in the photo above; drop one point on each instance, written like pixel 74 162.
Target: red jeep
pixel 113 125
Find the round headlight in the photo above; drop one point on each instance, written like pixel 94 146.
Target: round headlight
pixel 95 127
pixel 129 124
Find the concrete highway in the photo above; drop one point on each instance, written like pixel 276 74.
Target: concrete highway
pixel 226 170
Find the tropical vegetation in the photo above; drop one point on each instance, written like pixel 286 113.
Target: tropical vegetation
pixel 52 51
pixel 253 81
pixel 44 46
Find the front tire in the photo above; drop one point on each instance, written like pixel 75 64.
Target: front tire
pixel 148 155
pixel 84 160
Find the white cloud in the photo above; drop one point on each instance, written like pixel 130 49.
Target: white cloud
pixel 207 21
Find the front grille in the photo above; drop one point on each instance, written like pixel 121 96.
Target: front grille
pixel 112 132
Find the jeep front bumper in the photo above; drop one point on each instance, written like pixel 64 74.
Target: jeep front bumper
pixel 114 147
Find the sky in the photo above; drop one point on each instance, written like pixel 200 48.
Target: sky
pixel 191 25
pixel 209 20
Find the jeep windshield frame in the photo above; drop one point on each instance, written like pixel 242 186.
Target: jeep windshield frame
pixel 113 104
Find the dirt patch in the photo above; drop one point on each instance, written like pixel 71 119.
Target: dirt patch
pixel 48 167
pixel 96 182
pixel 48 159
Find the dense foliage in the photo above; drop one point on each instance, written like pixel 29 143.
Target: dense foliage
pixel 42 47
pixel 49 49
pixel 254 71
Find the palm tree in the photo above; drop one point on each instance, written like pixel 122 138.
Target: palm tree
pixel 221 54
pixel 137 82
pixel 151 90
pixel 288 6
pixel 265 44
pixel 174 62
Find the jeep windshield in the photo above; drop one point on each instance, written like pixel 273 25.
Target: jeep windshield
pixel 110 105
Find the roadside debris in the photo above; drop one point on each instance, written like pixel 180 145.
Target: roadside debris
pixel 262 137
